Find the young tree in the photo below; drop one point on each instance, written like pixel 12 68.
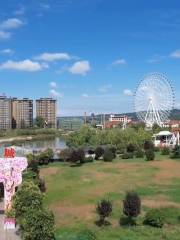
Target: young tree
pixel 148 145
pixel 77 156
pixel 150 155
pixel 108 155
pixel 40 121
pixel 104 210
pixel 99 151
pixel 46 156
pixel 33 163
pixel 132 205
pixel 65 154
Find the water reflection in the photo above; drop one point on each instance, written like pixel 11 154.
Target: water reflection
pixel 22 148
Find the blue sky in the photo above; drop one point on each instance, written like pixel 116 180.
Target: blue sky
pixel 89 54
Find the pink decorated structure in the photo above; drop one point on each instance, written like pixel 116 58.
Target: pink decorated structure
pixel 11 169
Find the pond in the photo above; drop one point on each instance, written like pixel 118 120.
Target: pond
pixel 25 147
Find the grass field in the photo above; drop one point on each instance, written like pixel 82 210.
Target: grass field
pixel 72 194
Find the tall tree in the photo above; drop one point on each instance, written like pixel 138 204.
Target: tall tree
pixel 40 121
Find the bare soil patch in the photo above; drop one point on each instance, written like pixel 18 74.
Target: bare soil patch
pixel 64 214
pixel 159 203
pixel 49 171
pixel 169 169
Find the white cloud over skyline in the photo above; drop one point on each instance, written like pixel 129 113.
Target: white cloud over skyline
pixel 53 84
pixel 51 57
pixel 80 67
pixel 175 54
pixel 55 93
pixel 128 92
pixel 11 23
pixel 25 65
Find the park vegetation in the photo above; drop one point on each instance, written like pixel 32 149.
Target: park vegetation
pixel 84 146
pixel 35 221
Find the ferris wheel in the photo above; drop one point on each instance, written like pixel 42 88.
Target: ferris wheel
pixel 154 99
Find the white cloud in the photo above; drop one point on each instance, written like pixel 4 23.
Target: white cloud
pixel 85 95
pixel 11 23
pixel 175 54
pixel 25 65
pixel 105 88
pixel 54 93
pixel 120 61
pixel 4 35
pixel 80 67
pixel 128 92
pixel 53 84
pixel 51 57
pixel 7 51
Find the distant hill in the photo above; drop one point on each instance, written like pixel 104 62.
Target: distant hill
pixel 175 115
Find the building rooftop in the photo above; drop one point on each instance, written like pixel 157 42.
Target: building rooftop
pixel 46 99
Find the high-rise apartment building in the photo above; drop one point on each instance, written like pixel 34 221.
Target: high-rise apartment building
pixel 47 109
pixel 5 113
pixel 22 113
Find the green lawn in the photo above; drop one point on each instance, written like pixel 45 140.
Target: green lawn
pixel 72 194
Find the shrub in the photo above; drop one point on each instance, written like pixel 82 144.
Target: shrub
pixel 127 221
pixel 104 209
pixel 46 156
pixel 77 156
pixel 150 155
pixel 33 163
pixel 37 225
pixel 139 153
pixel 156 149
pixel 132 205
pixel 176 152
pixel 154 218
pixel 121 147
pixel 27 197
pixel 148 145
pixel 10 213
pixel 34 166
pixel 108 155
pixel 65 154
pixel 99 151
pixel 113 150
pixel 127 155
pixel 89 159
pixel 131 148
pixel 165 151
pixel 42 185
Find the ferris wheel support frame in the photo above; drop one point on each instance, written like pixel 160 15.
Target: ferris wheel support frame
pixel 152 116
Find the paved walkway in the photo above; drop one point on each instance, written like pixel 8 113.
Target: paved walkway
pixel 9 234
